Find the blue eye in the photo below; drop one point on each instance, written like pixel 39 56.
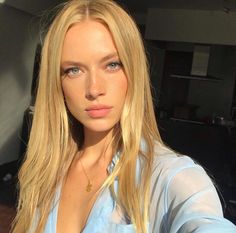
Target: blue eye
pixel 73 71
pixel 114 66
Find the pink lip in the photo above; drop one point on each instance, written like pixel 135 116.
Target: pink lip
pixel 98 111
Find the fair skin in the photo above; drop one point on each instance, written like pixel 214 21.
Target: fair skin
pixel 94 85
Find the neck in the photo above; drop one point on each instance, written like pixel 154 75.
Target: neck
pixel 97 145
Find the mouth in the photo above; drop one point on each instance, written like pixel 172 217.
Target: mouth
pixel 98 111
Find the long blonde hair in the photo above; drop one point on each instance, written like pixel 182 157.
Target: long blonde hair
pixel 51 146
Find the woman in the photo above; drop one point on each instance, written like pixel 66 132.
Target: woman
pixel 95 160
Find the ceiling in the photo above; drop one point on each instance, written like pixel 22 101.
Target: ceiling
pixel 142 5
pixel 35 7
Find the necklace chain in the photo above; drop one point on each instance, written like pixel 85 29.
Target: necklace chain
pixel 89 185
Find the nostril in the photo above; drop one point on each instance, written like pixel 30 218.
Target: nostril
pixel 89 96
pixel 94 90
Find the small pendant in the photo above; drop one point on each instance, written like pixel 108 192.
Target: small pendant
pixel 89 187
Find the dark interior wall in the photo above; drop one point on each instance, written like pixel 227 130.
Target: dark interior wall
pixel 191 25
pixel 207 27
pixel 216 97
pixel 213 98
pixel 18 40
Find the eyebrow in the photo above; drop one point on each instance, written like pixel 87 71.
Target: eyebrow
pixel 103 59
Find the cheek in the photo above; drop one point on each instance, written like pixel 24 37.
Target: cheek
pixel 121 85
pixel 65 87
pixel 72 93
pixel 69 98
pixel 118 94
pixel 123 88
pixel 67 94
pixel 72 100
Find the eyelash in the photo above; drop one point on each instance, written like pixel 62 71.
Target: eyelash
pixel 116 66
pixel 116 63
pixel 71 69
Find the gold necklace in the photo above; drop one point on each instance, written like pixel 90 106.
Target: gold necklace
pixel 89 185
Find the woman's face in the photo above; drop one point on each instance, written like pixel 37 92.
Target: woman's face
pixel 93 79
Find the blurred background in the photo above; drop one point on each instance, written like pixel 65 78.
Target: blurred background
pixel 191 47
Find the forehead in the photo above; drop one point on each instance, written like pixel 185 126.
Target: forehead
pixel 88 37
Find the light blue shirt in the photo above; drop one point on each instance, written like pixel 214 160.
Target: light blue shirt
pixel 183 200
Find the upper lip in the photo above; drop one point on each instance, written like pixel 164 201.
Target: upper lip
pixel 97 107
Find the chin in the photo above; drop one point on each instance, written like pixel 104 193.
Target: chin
pixel 100 127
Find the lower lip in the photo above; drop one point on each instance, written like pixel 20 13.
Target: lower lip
pixel 98 113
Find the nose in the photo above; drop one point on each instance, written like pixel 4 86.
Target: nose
pixel 95 85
